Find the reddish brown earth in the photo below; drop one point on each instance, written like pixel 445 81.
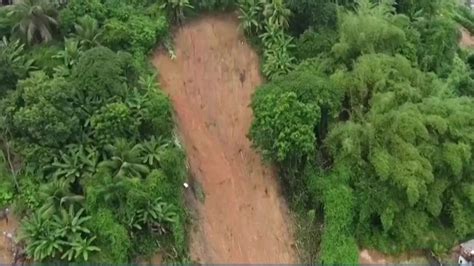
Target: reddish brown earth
pixel 373 257
pixel 5 251
pixel 467 40
pixel 243 218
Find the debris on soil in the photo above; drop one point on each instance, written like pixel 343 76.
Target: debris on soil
pixel 244 218
pixel 6 253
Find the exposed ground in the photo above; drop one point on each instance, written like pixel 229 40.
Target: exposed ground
pixel 467 40
pixel 373 257
pixel 243 218
pixel 5 252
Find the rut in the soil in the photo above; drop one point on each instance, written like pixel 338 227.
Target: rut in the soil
pixel 243 218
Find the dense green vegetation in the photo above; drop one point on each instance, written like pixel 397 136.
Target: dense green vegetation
pixel 95 169
pixel 369 116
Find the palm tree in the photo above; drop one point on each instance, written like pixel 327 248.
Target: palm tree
pixel 36 19
pixel 88 32
pixel 57 193
pixel 250 11
pixel 157 216
pixel 125 160
pixel 153 151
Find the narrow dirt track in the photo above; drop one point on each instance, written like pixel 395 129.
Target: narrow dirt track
pixel 243 218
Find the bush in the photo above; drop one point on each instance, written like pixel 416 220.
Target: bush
pixel 100 77
pixel 78 8
pixel 137 34
pixel 210 5
pixel 112 238
pixel 46 116
pixel 7 187
pixel 311 44
pixel 112 121
pixel 313 14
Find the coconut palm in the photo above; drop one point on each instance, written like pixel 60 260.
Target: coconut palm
pixel 35 19
pixel 153 151
pixel 158 216
pixel 58 193
pixel 125 160
pixel 87 32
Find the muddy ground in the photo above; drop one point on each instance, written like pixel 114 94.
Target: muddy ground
pixel 242 217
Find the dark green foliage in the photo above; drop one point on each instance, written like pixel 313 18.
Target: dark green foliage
pixel 414 7
pixel 7 188
pixel 312 14
pixel 58 236
pixel 100 168
pixel 155 115
pixel 6 23
pixel 138 33
pixel 283 126
pixel 438 43
pixel 13 64
pixel 76 9
pixel 463 15
pixel 34 20
pixel 113 120
pixel 390 158
pixel 371 29
pixel 40 111
pixel 288 110
pixel 112 238
pixel 460 79
pixel 96 83
pixel 311 44
pixel 211 5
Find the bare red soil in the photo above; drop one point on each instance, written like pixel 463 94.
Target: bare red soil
pixel 467 40
pixel 6 255
pixel 243 218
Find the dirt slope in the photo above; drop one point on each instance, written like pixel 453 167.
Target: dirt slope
pixel 6 256
pixel 243 218
pixel 467 40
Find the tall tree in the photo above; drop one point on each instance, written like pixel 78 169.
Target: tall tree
pixel 35 19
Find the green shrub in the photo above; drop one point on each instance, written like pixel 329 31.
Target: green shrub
pixel 7 188
pixel 211 5
pixel 312 14
pixel 113 120
pixel 137 34
pixel 78 8
pixel 112 238
pixel 311 44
